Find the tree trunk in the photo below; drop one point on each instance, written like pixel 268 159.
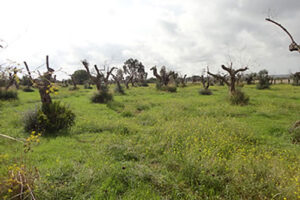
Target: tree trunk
pixel 45 96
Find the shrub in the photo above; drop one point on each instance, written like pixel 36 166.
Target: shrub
pixel 116 106
pixel 295 134
pixel 127 114
pixel 166 88
pixel 205 92
pixel 8 94
pixel 263 80
pixel 49 118
pixel 28 89
pixel 102 96
pixel 239 98
pixel 119 90
pixel 158 85
pixel 171 89
pixel 144 84
pixel 87 86
pixel 73 88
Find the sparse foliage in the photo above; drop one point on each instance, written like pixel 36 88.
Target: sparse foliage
pixel 135 71
pixel 264 80
pixel 296 78
pixel 250 78
pixel 80 77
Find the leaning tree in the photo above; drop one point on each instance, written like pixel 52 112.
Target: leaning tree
pixel 232 81
pixel 293 46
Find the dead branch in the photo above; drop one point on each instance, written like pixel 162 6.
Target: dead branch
pixel 293 46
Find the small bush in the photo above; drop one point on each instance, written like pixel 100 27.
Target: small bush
pixel 116 106
pixel 119 90
pixel 262 86
pixel 8 94
pixel 127 114
pixel 142 107
pixel 205 92
pixel 166 88
pixel 171 89
pixel 158 86
pixel 102 97
pixel 295 134
pixel 73 88
pixel 144 84
pixel 239 98
pixel 87 86
pixel 49 118
pixel 263 80
pixel 28 89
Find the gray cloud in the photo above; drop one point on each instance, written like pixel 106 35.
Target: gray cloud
pixel 183 35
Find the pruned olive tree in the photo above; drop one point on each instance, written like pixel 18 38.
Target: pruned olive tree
pixel 44 83
pixel 8 78
pixel 101 80
pixel 74 83
pixel 163 79
pixel 51 116
pixel 195 79
pixel 180 80
pixel 12 77
pixel 236 96
pixel 205 80
pixel 118 78
pixel 250 78
pixel 231 82
pixel 164 76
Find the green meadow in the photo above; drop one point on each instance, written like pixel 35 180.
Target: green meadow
pixel 151 144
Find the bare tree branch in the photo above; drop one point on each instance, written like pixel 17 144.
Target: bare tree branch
pixel 293 46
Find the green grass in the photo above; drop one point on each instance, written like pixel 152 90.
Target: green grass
pixel 150 144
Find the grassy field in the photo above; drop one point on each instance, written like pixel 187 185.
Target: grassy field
pixel 156 145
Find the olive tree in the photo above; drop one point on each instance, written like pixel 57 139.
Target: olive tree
pixel 231 82
pixel 236 96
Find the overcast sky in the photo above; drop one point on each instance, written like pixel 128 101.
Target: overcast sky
pixel 183 35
